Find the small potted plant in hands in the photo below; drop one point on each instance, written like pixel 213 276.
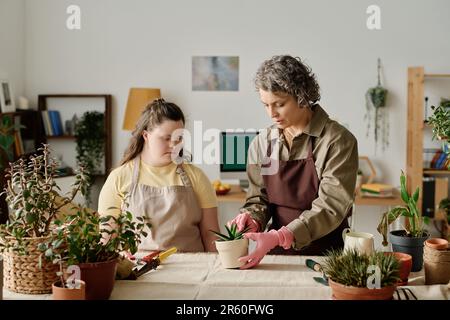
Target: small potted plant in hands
pixel 353 276
pixel 231 246
pixel 410 240
pixel 94 244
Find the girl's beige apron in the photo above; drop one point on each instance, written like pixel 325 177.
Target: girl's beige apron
pixel 174 213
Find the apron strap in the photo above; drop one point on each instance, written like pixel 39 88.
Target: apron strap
pixel 135 177
pixel 183 175
pixel 311 147
pixel 269 149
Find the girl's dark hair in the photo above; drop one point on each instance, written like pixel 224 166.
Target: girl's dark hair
pixel 288 75
pixel 153 115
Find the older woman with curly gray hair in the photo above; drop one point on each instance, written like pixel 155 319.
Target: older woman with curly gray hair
pixel 302 169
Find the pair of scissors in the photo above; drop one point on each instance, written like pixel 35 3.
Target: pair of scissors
pixel 152 260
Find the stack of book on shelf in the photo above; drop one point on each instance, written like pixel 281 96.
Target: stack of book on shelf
pixel 377 190
pixel 440 161
pixel 52 123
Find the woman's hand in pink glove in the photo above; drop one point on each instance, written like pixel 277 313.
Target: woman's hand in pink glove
pixel 245 220
pixel 266 241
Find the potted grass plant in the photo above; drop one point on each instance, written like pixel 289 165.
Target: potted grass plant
pixel 231 246
pixel 94 244
pixel 351 275
pixel 34 203
pixel 411 238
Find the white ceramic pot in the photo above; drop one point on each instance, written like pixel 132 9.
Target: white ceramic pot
pixel 231 251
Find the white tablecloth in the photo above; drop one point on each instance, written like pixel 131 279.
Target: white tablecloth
pixel 191 276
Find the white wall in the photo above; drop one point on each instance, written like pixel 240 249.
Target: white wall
pixel 123 44
pixel 12 44
pixel 150 43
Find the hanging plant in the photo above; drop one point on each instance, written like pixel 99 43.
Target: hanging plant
pixel 376 113
pixel 90 139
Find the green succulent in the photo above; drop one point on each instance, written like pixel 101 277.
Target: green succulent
pixel 351 268
pixel 233 233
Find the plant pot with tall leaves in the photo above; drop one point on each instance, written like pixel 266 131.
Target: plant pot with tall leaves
pixel 231 246
pixel 355 276
pixel 411 239
pixel 94 243
pixel 90 140
pixel 31 194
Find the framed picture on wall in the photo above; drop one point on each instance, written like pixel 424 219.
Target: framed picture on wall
pixel 215 73
pixel 6 97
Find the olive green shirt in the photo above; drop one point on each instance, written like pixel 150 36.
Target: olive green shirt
pixel 335 155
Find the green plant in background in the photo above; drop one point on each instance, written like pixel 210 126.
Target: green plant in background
pixel 233 233
pixel 350 268
pixel 85 237
pixel 440 123
pixel 376 113
pixel 7 130
pixel 445 205
pixel 415 228
pixel 32 196
pixel 90 139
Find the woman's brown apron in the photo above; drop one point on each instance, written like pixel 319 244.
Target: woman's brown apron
pixel 292 190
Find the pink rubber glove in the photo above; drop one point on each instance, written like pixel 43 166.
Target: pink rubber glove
pixel 245 219
pixel 266 241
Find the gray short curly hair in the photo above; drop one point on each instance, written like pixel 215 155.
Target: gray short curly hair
pixel 289 75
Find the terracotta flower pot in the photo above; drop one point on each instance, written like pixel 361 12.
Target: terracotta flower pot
pixel 99 278
pixel 77 293
pixel 231 251
pixel 437 243
pixel 342 292
pixel 405 266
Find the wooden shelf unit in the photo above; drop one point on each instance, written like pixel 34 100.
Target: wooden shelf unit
pixel 42 105
pixel 415 131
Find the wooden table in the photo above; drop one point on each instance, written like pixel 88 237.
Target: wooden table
pixel 200 276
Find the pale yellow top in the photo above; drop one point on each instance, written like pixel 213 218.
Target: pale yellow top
pixel 119 182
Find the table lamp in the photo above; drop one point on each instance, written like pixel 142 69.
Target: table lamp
pixel 138 99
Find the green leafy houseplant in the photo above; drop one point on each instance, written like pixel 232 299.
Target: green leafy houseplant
pixel 415 227
pixel 33 198
pixel 440 123
pixel 85 237
pixel 7 130
pixel 90 140
pixel 232 233
pixel 350 268
pixel 375 103
pixel 445 205
pixel 34 203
